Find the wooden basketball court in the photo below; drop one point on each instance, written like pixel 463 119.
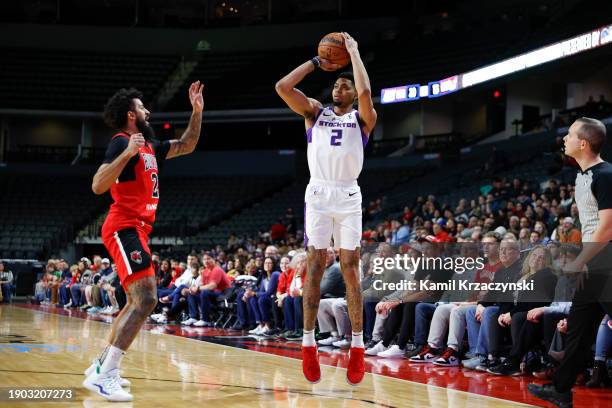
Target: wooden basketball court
pixel 48 347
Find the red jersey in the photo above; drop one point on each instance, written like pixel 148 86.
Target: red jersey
pixel 136 191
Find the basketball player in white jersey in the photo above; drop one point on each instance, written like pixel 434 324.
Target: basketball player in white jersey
pixel 336 137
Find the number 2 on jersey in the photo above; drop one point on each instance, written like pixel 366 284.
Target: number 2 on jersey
pixel 155 180
pixel 336 137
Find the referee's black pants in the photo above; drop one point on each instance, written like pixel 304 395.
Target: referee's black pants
pixel 589 306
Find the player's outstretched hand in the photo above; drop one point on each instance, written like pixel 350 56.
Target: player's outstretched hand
pixel 137 140
pixel 349 43
pixel 326 65
pixel 195 96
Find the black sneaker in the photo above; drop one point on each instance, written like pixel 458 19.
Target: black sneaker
pixel 485 365
pixel 237 326
pixel 547 392
pixel 371 344
pixel 286 334
pixel 506 368
pixel 295 336
pixel 270 332
pixel 414 351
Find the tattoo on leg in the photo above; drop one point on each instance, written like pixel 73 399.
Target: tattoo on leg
pixel 117 323
pixel 144 298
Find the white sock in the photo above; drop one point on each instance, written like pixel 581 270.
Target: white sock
pixel 308 340
pixel 112 360
pixel 357 340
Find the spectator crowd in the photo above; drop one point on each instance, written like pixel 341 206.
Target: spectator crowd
pixel 524 231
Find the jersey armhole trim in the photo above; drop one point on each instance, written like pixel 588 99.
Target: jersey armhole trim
pixel 314 123
pixel 364 138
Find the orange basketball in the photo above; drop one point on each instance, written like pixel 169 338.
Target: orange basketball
pixel 331 47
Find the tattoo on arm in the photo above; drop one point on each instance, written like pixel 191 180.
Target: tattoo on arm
pixel 188 141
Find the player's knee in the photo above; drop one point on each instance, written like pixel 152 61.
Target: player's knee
pixel 147 302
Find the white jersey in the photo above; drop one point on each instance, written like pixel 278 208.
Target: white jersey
pixel 335 146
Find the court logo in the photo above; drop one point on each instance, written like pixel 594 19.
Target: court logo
pixel 136 257
pixel 44 348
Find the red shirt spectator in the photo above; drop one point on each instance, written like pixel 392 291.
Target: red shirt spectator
pixel 278 231
pixel 284 281
pixel 218 276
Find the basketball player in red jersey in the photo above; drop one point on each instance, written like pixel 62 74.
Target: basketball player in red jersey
pixel 130 171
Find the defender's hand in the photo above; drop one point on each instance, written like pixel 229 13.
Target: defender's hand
pixel 195 96
pixel 137 141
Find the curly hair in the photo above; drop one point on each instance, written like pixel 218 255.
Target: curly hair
pixel 118 105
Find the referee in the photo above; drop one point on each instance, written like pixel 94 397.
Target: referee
pixel 584 142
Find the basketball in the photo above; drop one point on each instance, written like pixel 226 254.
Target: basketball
pixel 331 47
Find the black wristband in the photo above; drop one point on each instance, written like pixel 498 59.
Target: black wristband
pixel 316 61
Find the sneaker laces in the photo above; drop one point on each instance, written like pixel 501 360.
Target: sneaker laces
pixel 111 381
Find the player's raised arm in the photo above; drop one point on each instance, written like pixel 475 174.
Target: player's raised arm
pixel 367 113
pixel 294 98
pixel 189 140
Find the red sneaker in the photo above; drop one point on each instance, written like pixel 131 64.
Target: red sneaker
pixel 310 364
pixel 356 365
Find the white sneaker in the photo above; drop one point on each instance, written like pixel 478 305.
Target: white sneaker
pixel 189 321
pixel 393 352
pixel 67 305
pixel 156 316
pixel 107 386
pixel 328 341
pixel 202 323
pixel 378 348
pixel 163 319
pixel 92 369
pixel 343 344
pixel 107 310
pixel 257 331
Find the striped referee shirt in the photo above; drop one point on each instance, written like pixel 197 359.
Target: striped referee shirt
pixel 593 194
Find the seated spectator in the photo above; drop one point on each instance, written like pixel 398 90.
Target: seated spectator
pixel 483 329
pixel 567 234
pixel 212 284
pixel 179 297
pixel 108 274
pixel 401 310
pixel 172 295
pixel 429 348
pixel 65 284
pixel 260 305
pixel 282 292
pixel 278 231
pixel 75 286
pixel 373 322
pixel 330 316
pixel 526 330
pixel 603 346
pixel 292 304
pixel 164 275
pixel 6 284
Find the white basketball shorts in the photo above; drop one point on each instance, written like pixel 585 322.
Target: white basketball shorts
pixel 332 210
